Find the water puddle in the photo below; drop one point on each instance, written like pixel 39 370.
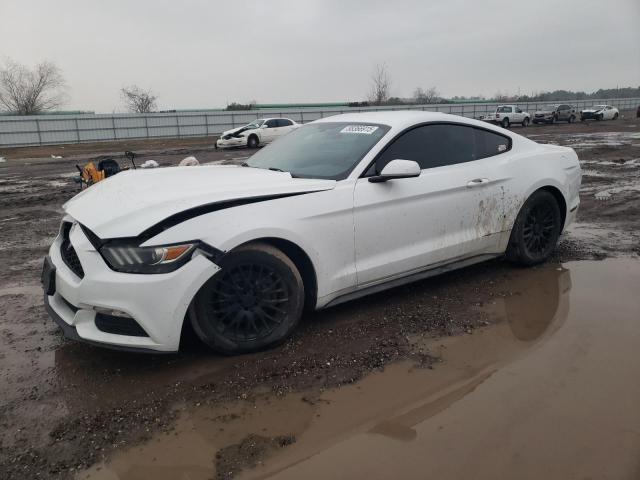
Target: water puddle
pixel 550 390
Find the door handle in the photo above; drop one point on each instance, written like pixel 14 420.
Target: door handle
pixel 476 182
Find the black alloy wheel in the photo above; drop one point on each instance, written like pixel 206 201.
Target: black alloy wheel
pixel 254 302
pixel 536 229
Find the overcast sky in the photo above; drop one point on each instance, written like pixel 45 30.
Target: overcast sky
pixel 203 54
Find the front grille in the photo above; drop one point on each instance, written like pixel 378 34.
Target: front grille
pixel 69 255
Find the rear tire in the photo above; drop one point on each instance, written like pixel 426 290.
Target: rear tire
pixel 504 123
pixel 252 141
pixel 536 230
pixel 254 302
pixel 615 116
pixel 525 122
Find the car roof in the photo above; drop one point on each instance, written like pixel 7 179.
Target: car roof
pixel 271 118
pixel 401 119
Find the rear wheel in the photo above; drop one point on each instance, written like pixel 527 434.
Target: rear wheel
pixel 254 302
pixel 536 230
pixel 615 116
pixel 525 122
pixel 505 123
pixel 252 141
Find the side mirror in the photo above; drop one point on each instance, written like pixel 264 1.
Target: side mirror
pixel 264 125
pixel 397 169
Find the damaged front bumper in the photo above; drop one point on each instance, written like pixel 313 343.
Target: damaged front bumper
pixel 231 142
pixel 136 312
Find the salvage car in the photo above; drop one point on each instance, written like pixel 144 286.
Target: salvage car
pixel 555 113
pixel 599 112
pixel 505 115
pixel 342 207
pixel 256 133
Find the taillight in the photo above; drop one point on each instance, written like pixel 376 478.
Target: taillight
pixel 497 115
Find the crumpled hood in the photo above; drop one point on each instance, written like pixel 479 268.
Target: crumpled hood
pixel 130 202
pixel 236 130
pixel 592 110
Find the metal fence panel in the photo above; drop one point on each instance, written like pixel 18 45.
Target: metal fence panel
pixel 53 129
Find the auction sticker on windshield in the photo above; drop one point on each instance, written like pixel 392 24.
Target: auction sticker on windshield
pixel 365 129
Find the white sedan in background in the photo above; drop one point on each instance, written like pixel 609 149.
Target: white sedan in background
pixel 341 207
pixel 259 132
pixel 599 112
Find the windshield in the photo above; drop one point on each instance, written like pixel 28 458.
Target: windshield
pixel 320 150
pixel 599 107
pixel 548 108
pixel 255 124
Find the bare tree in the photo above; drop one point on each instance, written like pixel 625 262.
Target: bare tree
pixel 431 95
pixel 138 100
pixel 28 92
pixel 380 85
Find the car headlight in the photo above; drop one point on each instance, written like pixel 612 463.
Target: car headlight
pixel 125 258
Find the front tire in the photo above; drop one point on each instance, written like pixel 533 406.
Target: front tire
pixel 536 230
pixel 254 302
pixel 571 119
pixel 252 141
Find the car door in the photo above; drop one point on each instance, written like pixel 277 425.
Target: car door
pixel 269 130
pixel 284 126
pixel 561 113
pixel 608 113
pixel 518 116
pixel 453 210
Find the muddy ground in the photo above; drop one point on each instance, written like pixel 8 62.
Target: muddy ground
pixel 67 407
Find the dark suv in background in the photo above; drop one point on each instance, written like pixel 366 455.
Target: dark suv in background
pixel 555 113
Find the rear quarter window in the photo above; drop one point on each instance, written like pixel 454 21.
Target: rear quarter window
pixel 489 144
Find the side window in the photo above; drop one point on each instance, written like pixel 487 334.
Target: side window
pixel 518 110
pixel 432 146
pixel 489 144
pixel 283 122
pixel 272 123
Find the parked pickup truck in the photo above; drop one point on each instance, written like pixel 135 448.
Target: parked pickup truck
pixel 555 113
pixel 505 115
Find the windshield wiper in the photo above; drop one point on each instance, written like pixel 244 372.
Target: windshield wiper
pixel 274 169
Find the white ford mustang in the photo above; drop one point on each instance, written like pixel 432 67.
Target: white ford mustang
pixel 339 208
